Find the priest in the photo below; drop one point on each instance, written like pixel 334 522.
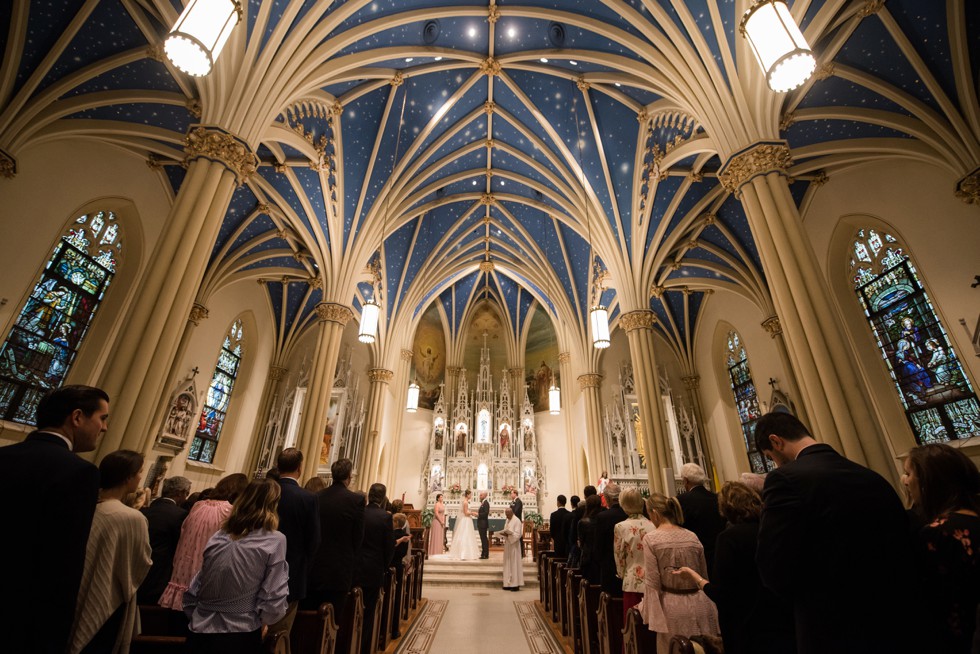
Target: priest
pixel 513 533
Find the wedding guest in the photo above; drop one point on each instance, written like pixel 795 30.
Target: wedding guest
pixel 399 523
pixel 437 529
pixel 557 527
pixel 315 484
pixel 164 518
pixel 373 557
pixel 513 533
pixel 578 510
pixel 588 558
pixel 945 483
pixel 700 508
pixel 605 532
pixel 673 605
pixel 243 583
pixel 628 547
pixel 117 559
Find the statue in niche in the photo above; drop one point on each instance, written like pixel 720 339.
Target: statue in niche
pixel 179 417
pixel 461 439
pixel 439 436
pixel 505 437
pixel 528 440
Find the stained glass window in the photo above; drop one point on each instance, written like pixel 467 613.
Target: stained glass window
pixel 219 396
pixel 939 401
pixel 746 401
pixel 43 342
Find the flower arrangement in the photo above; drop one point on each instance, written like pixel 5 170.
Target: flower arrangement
pixel 455 489
pixel 535 518
pixel 428 515
pixel 508 489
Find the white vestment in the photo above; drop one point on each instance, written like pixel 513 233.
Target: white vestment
pixel 513 564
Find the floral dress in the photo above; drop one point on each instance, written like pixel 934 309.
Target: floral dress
pixel 628 550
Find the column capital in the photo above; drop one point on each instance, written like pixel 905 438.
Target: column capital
pixel 276 373
pixel 692 382
pixel 454 370
pixel 772 326
pixel 198 313
pixel 564 357
pixel 407 355
pixel 8 165
pixel 332 312
pixel 642 319
pixel 516 372
pixel 380 375
pixel 967 189
pixel 589 380
pixel 215 144
pixel 757 159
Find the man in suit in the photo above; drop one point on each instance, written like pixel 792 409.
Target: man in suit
pixel 605 532
pixel 517 506
pixel 299 522
pixel 483 524
pixel 833 543
pixel 341 531
pixel 374 558
pixel 556 524
pixel 700 506
pixel 574 551
pixel 52 495
pixel 164 518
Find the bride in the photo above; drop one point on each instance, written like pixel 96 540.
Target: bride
pixel 464 546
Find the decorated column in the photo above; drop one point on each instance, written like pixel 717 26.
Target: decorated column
pixel 830 387
pixel 589 383
pixel 140 366
pixel 639 330
pixel 367 463
pixel 330 330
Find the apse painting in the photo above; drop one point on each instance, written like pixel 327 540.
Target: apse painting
pixel 429 357
pixel 540 359
pixel 486 327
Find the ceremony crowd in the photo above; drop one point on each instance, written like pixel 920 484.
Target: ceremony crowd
pixel 819 555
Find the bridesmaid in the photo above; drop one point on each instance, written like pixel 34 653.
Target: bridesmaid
pixel 437 530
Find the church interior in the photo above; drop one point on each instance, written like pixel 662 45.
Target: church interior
pixel 516 245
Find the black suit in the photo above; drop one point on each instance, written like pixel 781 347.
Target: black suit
pixel 483 524
pixel 299 522
pixel 372 564
pixel 833 543
pixel 51 495
pixel 341 532
pixel 701 516
pixel 164 520
pixel 605 533
pixel 517 506
pixel 571 529
pixel 557 526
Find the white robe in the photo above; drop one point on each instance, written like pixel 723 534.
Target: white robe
pixel 513 564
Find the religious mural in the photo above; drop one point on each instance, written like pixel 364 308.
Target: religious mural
pixel 429 356
pixel 541 359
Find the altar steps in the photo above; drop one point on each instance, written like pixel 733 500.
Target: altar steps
pixel 443 573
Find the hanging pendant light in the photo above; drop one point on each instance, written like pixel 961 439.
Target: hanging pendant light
pixel 370 313
pixel 413 398
pixel 200 33
pixel 599 318
pixel 778 44
pixel 554 399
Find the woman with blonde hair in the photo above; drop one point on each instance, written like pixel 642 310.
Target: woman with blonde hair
pixel 673 605
pixel 243 583
pixel 628 547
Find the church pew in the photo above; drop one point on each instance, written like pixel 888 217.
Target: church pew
pixel 277 643
pixel 610 621
pixel 375 626
pixel 573 616
pixel 406 590
pixel 560 607
pixel 387 608
pixel 588 606
pixel 681 645
pixel 419 573
pixel 313 632
pixel 559 573
pixel 351 622
pixel 637 637
pixel 544 594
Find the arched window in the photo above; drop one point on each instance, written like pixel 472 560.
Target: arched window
pixel 746 400
pixel 939 402
pixel 219 396
pixel 45 338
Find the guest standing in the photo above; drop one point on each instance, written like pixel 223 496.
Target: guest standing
pixel 482 525
pixel 513 534
pixel 556 525
pixel 117 559
pixel 672 605
pixel 437 528
pixel 700 508
pixel 628 547
pixel 402 541
pixel 164 518
pixel 373 558
pixel 242 585
pixel 589 560
pixel 945 483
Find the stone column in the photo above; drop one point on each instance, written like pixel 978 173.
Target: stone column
pixel 639 330
pixel 566 388
pixel 330 331
pixel 775 330
pixel 692 384
pixel 590 383
pixel 368 460
pixel 830 385
pixel 404 379
pixel 452 387
pixel 142 359
pixel 258 445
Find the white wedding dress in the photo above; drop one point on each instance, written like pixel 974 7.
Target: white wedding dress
pixel 465 545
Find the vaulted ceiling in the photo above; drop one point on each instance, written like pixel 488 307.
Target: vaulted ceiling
pixel 530 134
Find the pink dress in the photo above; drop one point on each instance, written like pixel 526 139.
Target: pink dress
pixel 437 531
pixel 205 518
pixel 672 605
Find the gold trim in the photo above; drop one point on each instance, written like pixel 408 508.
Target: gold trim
pixel 332 312
pixel 772 326
pixel 8 165
pixel 198 313
pixel 871 7
pixel 493 14
pixel 276 373
pixel 490 66
pixel 407 355
pixel 564 357
pixel 968 188
pixel 755 160
pixel 398 79
pixel 486 266
pixel 589 380
pixel 380 375
pixel 217 145
pixel 633 320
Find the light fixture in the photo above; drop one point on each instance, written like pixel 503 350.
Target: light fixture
pixel 438 58
pixel 544 60
pixel 370 312
pixel 554 399
pixel 778 44
pixel 599 319
pixel 408 59
pixel 201 31
pixel 413 398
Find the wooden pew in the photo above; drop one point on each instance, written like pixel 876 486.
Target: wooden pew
pixel 375 626
pixel 277 643
pixel 610 620
pixel 351 623
pixel 554 578
pixel 387 609
pixel 314 632
pixel 544 588
pixel 681 645
pixel 588 606
pixel 573 616
pixel 560 608
pixel 419 572
pixel 406 590
pixel 637 637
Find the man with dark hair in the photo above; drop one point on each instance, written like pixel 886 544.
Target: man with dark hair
pixel 700 507
pixel 374 558
pixel 341 531
pixel 164 517
pixel 833 542
pixel 55 493
pixel 605 532
pixel 483 525
pixel 571 535
pixel 557 526
pixel 299 522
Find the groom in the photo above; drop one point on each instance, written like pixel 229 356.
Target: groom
pixel 482 523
